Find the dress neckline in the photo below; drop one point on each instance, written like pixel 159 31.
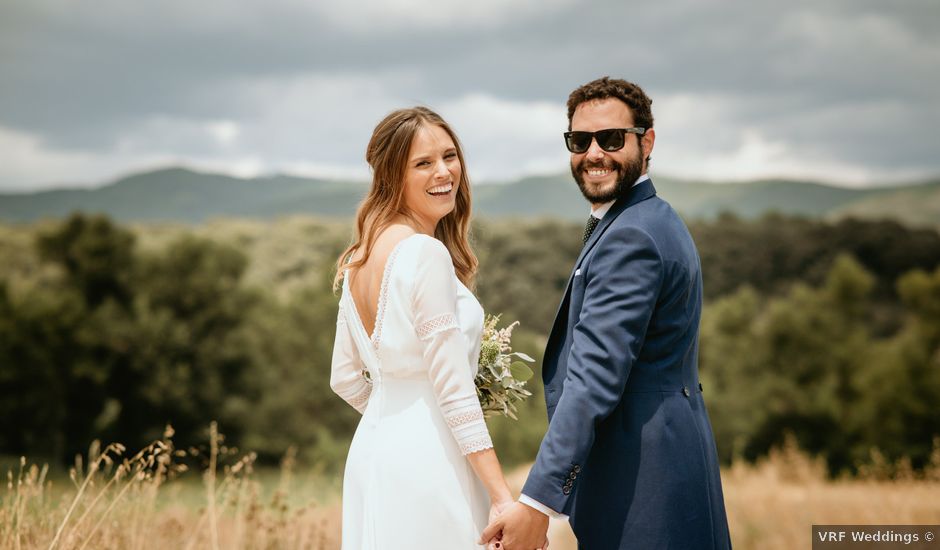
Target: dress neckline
pixel 376 335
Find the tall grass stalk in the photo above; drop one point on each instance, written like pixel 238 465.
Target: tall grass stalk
pixel 137 503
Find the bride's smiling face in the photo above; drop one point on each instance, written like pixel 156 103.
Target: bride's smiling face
pixel 432 175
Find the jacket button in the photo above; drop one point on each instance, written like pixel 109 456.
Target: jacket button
pixel 685 392
pixel 572 475
pixel 577 469
pixel 566 490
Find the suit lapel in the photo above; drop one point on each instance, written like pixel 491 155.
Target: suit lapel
pixel 639 193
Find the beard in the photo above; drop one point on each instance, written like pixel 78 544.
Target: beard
pixel 627 173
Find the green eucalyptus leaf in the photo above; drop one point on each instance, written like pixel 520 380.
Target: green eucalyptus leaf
pixel 521 372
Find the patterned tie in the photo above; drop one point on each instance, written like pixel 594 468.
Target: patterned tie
pixel 589 228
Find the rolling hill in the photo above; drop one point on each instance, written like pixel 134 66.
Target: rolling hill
pixel 179 194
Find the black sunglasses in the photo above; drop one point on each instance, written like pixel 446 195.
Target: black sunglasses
pixel 611 139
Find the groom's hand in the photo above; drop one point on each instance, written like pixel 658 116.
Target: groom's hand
pixel 522 527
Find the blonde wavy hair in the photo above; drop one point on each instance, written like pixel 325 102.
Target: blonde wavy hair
pixel 387 155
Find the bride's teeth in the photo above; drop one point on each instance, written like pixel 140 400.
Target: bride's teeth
pixel 441 189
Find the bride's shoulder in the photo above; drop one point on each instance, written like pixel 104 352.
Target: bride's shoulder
pixel 400 244
pixel 423 256
pixel 404 237
pixel 429 249
pixel 392 236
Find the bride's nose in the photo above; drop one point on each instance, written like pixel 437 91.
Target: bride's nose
pixel 440 170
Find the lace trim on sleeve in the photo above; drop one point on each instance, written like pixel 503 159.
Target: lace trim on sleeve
pixel 464 418
pixel 359 397
pixel 476 445
pixel 436 325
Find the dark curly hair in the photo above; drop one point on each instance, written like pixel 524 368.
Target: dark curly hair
pixel 606 87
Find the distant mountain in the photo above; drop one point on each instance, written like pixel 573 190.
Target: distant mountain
pixel 915 205
pixel 559 196
pixel 178 194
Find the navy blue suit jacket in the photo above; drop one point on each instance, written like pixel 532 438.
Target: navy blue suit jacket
pixel 629 454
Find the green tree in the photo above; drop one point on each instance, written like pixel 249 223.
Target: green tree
pixel 48 391
pixel 55 370
pixel 772 252
pixel 189 351
pixel 96 256
pixel 787 365
pixel 902 381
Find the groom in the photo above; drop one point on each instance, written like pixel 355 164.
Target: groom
pixel 629 454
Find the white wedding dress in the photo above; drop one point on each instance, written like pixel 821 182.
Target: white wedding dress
pixel 408 484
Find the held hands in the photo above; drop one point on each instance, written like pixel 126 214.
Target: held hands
pixel 516 527
pixel 497 508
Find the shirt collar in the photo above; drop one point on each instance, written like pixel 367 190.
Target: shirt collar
pixel 602 209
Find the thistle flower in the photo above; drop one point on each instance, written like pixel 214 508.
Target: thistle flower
pixel 500 380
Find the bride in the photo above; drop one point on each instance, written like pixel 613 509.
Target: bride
pixel 421 471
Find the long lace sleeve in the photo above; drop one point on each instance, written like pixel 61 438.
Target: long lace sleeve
pixel 445 348
pixel 346 377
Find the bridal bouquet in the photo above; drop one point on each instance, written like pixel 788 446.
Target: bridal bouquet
pixel 500 380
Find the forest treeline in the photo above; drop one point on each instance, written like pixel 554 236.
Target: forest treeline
pixel 826 331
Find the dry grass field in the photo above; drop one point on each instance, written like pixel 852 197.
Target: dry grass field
pixel 123 502
pixel 772 505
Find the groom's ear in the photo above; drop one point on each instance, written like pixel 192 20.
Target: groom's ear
pixel 646 143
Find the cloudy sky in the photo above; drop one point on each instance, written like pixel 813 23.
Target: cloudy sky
pixel 844 90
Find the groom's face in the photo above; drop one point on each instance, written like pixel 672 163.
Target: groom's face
pixel 602 175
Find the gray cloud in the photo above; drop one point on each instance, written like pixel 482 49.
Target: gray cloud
pixel 842 89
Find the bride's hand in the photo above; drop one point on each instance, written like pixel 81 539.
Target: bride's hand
pixel 497 508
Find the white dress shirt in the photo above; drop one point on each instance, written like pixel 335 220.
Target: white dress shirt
pixel 598 212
